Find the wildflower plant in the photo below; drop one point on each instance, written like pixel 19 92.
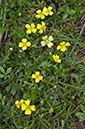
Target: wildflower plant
pixel 30 43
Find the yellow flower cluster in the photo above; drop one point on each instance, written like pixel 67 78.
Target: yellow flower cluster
pixel 63 48
pixel 44 12
pixel 25 106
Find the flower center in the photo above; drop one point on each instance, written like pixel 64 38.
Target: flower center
pixel 48 11
pixel 31 27
pixel 24 44
pixel 28 106
pixel 37 77
pixel 41 13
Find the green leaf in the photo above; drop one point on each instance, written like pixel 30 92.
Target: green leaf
pixel 12 4
pixel 65 16
pixel 8 70
pixel 13 91
pixel 1 33
pixel 1 75
pixel 79 114
pixel 2 70
pixel 84 60
pixel 8 88
pixel 74 75
pixel 83 108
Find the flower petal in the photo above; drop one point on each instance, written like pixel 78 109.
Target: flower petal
pixel 50 8
pixel 21 101
pixel 28 44
pixel 33 75
pixel 40 77
pixel 67 44
pixel 27 26
pixel 20 44
pixel 43 23
pixel 17 102
pixel 27 102
pixel 37 73
pixel 29 31
pixel 50 13
pixel 51 38
pixel 23 107
pixel 37 80
pixel 63 43
pixel 33 25
pixel 40 31
pixel 38 11
pixel 50 44
pixel 63 49
pixel 32 107
pixel 34 30
pixel 43 43
pixel 42 17
pixel 24 40
pixel 58 47
pixel 38 26
pixel 28 112
pixel 44 9
pixel 45 37
pixel 24 47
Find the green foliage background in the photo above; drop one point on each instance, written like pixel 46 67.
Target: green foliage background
pixel 60 81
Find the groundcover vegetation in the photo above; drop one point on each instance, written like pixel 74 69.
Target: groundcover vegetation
pixel 42 64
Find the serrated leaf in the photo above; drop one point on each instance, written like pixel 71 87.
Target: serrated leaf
pixel 8 70
pixel 1 75
pixel 2 70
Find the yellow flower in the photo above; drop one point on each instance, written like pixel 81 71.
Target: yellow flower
pixel 62 46
pixel 30 28
pixel 42 27
pixel 40 14
pixel 27 107
pixel 10 48
pixel 37 77
pixel 47 11
pixel 18 104
pixel 51 110
pixel 56 58
pixel 20 14
pixel 24 44
pixel 73 97
pixel 47 41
